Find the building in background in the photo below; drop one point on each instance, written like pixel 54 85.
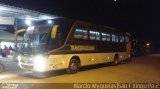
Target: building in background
pixel 13 19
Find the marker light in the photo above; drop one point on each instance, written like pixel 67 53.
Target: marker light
pixel 148 44
pixel 121 56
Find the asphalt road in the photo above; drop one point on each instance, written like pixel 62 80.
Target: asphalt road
pixel 144 69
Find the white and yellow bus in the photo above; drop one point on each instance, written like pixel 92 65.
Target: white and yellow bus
pixel 70 44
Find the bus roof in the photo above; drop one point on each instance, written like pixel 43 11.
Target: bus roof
pixel 87 24
pixel 101 27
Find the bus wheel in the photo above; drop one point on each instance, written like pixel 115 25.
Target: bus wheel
pixel 1 68
pixel 116 60
pixel 73 66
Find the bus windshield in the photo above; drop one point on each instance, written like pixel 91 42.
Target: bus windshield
pixel 38 38
pixel 35 39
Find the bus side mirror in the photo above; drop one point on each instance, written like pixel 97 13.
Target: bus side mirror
pixel 54 31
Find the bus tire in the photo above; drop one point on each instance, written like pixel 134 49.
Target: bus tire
pixel 73 66
pixel 1 68
pixel 116 60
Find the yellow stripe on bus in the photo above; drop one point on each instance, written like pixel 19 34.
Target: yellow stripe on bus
pixel 54 31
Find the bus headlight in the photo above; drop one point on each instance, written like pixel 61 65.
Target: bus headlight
pixel 40 63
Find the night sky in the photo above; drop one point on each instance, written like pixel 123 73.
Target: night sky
pixel 139 17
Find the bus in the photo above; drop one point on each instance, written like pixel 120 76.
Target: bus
pixel 69 44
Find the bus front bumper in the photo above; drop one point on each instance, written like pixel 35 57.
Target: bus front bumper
pixel 32 67
pixel 41 67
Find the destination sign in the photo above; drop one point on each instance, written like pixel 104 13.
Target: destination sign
pixel 82 47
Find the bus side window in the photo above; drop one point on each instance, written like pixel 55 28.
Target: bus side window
pixel 117 38
pixel 98 36
pixel 113 38
pixel 80 34
pixel 121 38
pixel 106 37
pixel 94 35
pixel 127 39
pixel 85 34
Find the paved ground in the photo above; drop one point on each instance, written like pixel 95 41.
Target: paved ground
pixel 140 70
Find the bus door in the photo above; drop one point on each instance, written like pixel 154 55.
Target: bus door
pixel 16 40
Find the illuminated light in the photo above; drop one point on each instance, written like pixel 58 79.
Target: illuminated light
pixel 78 30
pixel 92 59
pixel 92 32
pixel 115 0
pixel 129 56
pixel 108 57
pixel 63 62
pixel 2 77
pixel 121 56
pixel 148 44
pixel 28 22
pixel 30 28
pixel 46 17
pixel 19 58
pixel 2 8
pixel 50 22
pixel 40 63
pixel 8 76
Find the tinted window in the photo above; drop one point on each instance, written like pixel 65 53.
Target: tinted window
pixel 126 39
pixel 105 37
pixel 94 35
pixel 113 38
pixel 117 39
pixel 85 34
pixel 42 37
pixel 80 34
pixel 121 39
pixel 97 35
